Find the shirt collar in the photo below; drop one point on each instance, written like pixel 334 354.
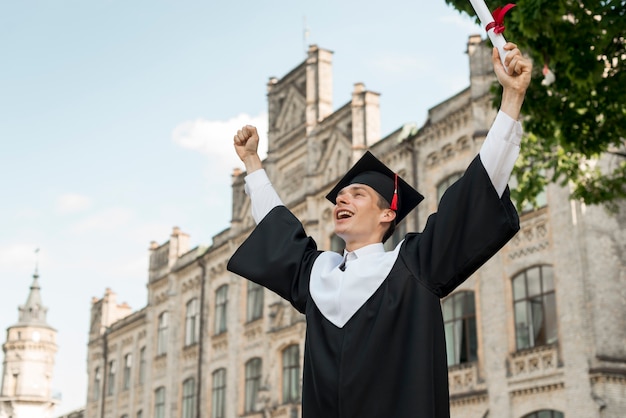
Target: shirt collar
pixel 364 251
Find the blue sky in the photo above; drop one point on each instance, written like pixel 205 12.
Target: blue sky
pixel 117 117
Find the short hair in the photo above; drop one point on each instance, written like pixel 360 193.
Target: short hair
pixel 383 204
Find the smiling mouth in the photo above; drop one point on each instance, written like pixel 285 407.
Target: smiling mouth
pixel 344 214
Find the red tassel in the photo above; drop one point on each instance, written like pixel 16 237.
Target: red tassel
pixel 394 199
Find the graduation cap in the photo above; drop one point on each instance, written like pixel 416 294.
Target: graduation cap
pixel 372 172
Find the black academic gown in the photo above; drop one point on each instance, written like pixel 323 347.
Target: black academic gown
pixel 389 359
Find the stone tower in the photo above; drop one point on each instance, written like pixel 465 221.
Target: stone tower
pixel 29 361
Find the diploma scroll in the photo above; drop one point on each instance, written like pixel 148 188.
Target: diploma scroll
pixel 491 25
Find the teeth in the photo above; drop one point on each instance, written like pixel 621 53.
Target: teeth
pixel 344 214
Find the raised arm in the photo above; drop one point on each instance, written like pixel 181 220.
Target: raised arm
pixel 258 186
pixel 501 147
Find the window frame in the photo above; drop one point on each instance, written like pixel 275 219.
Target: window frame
pixel 192 322
pixel 221 310
pixel 254 301
pixel 162 333
pixel 291 373
pixel 188 404
pixel 111 371
pixel 529 305
pixel 159 402
pixel 128 362
pixel 253 373
pixel 218 394
pixel 467 325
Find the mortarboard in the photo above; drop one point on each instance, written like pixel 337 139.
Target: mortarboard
pixel 372 172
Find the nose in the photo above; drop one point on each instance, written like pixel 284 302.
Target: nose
pixel 342 198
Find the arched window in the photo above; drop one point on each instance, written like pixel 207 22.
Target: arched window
pixel 189 398
pixel 254 308
pixel 128 362
pixel 535 307
pixel 162 333
pixel 218 396
pixel 253 383
pixel 546 413
pixel 159 402
pixel 221 301
pixel 291 373
pixel 459 316
pixel 192 322
pixel 447 182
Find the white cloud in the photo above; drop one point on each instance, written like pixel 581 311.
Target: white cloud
pixel 72 203
pixel 215 137
pixel 105 220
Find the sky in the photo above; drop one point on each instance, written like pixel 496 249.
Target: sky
pixel 117 118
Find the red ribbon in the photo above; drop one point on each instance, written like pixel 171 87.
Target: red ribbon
pixel 394 199
pixel 498 17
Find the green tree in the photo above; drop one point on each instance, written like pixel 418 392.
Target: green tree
pixel 581 116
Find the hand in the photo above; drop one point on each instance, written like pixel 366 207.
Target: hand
pixel 515 81
pixel 246 144
pixel 516 76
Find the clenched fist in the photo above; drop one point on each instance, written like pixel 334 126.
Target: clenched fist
pixel 246 144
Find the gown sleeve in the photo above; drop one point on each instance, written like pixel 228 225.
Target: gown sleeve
pixel 279 256
pixel 471 225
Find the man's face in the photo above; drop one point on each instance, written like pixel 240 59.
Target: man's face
pixel 358 217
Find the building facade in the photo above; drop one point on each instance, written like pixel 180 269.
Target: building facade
pixel 29 351
pixel 537 332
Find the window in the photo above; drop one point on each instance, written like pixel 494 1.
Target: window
pixel 535 307
pixel 545 414
pixel 128 362
pixel 192 322
pixel 97 381
pixel 159 402
pixel 111 378
pixel 162 334
pixel 459 316
pixel 142 366
pixel 218 404
pixel 221 300
pixel 140 414
pixel 189 398
pixel 447 182
pixel 255 302
pixel 291 373
pixel 253 383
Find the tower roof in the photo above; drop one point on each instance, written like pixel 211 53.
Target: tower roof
pixel 33 312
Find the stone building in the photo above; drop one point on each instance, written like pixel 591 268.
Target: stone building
pixel 538 332
pixel 29 350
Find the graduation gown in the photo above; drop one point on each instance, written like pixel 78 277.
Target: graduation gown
pixel 389 359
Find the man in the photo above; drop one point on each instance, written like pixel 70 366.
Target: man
pixel 375 344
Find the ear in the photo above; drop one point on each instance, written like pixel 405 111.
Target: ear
pixel 388 215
